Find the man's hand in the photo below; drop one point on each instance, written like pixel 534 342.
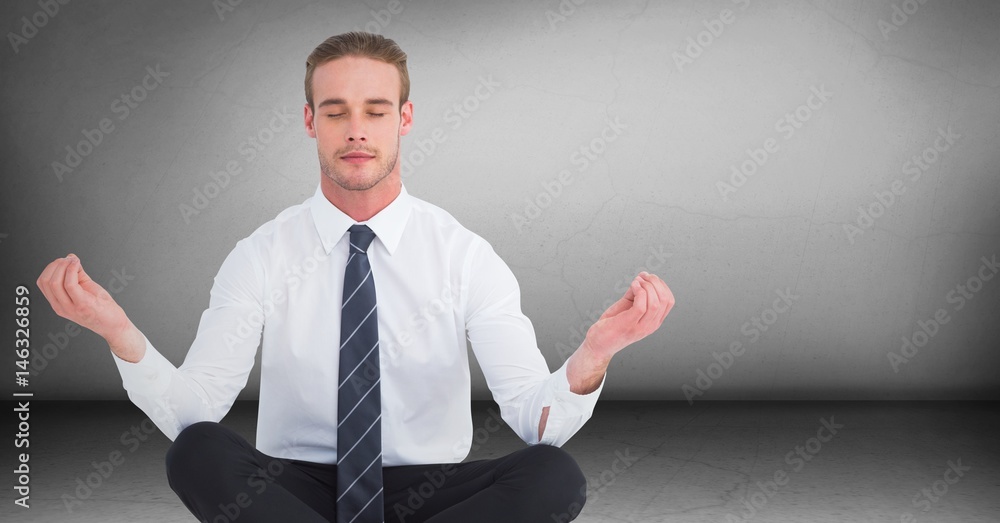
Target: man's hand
pixel 633 317
pixel 76 297
pixel 636 315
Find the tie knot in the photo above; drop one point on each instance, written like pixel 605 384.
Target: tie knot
pixel 361 237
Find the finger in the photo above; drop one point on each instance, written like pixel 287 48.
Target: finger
pixel 621 304
pixel 652 298
pixel 43 280
pixel 630 292
pixel 56 286
pixel 668 301
pixel 84 278
pixel 628 314
pixel 647 322
pixel 639 303
pixel 616 308
pixel 72 283
pixel 665 296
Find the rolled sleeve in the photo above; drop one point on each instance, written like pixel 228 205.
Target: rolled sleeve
pixel 568 411
pixel 503 340
pixel 219 361
pixel 149 376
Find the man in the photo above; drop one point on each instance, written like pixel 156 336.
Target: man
pixel 373 427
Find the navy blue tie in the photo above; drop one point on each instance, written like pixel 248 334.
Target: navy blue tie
pixel 359 400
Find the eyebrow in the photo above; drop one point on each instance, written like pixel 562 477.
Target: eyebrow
pixel 369 101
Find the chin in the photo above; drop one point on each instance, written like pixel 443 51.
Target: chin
pixel 358 183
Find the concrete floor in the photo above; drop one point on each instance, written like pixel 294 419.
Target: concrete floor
pixel 646 461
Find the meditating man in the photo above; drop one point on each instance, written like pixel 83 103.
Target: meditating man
pixel 361 282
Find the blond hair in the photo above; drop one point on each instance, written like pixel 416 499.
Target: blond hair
pixel 361 44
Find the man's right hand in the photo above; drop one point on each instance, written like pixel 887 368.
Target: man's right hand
pixel 76 297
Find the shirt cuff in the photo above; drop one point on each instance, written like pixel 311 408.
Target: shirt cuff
pixel 569 410
pixel 574 404
pixel 149 376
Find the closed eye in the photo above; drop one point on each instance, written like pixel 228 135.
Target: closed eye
pixel 342 114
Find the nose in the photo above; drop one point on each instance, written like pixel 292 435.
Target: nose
pixel 356 131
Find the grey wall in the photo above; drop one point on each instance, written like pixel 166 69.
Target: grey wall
pixel 540 89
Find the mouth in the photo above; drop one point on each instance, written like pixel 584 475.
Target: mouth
pixel 357 157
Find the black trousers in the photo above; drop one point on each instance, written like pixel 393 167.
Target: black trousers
pixel 221 478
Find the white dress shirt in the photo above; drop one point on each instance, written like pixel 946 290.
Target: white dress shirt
pixel 436 282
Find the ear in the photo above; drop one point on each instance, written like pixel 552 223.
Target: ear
pixel 405 118
pixel 307 115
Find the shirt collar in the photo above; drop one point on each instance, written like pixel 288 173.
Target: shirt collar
pixel 387 224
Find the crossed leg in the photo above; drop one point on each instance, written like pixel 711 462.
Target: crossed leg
pixel 221 478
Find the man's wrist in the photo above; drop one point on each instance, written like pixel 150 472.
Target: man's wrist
pixel 128 343
pixel 586 369
pixel 593 358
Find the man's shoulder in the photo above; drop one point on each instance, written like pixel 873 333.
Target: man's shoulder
pixel 431 217
pixel 275 231
pixel 289 217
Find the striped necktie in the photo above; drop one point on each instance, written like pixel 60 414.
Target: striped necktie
pixel 359 410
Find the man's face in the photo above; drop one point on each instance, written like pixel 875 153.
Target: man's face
pixel 357 122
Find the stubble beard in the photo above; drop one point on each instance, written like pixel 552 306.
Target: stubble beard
pixel 384 166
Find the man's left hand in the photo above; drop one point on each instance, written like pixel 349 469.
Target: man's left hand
pixel 636 315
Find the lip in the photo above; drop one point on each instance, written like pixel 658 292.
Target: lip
pixel 357 157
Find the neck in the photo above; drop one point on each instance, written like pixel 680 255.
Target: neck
pixel 362 205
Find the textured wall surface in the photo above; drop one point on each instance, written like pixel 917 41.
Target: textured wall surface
pixel 816 182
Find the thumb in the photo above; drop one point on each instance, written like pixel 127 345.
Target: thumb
pixel 630 292
pixel 623 303
pixel 83 279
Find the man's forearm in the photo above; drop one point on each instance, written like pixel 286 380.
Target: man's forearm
pixel 584 371
pixel 129 344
